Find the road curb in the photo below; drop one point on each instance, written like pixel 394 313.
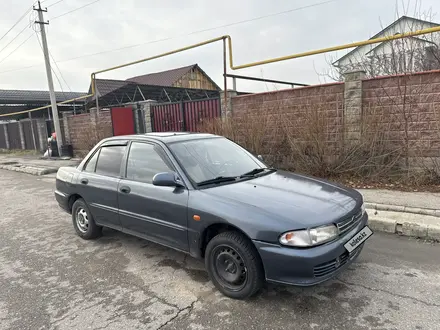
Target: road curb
pixel 33 170
pixel 405 209
pixel 405 224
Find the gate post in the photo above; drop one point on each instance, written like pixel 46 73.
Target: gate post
pixel 8 146
pixel 353 105
pixel 184 126
pixel 22 140
pixel 146 105
pixel 226 108
pixel 42 133
pixel 34 140
pixel 65 115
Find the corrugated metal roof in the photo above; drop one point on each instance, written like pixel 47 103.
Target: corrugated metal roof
pixel 164 78
pixel 105 86
pixel 117 92
pixel 25 96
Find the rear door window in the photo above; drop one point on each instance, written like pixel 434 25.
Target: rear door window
pixel 109 160
pixel 91 164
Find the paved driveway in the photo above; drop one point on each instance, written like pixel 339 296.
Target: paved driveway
pixel 51 279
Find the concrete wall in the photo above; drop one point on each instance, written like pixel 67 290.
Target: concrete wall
pixel 24 134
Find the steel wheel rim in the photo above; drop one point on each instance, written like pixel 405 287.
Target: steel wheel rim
pixel 82 220
pixel 229 268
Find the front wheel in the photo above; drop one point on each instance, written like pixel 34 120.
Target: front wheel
pixel 234 265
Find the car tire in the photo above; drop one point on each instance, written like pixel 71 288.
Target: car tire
pixel 234 265
pixel 83 222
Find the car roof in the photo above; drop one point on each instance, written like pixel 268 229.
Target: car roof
pixel 165 137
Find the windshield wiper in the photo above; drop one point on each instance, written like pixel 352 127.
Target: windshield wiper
pixel 256 171
pixel 219 179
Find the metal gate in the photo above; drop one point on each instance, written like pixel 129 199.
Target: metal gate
pixel 122 121
pixel 183 116
pixel 28 135
pixel 3 136
pixel 14 135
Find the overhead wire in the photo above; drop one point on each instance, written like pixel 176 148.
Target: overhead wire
pixel 26 40
pixel 181 35
pixel 55 3
pixel 52 69
pixel 59 70
pixel 15 24
pixel 73 10
pixel 13 39
pixel 203 30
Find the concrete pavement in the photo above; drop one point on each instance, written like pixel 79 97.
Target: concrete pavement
pixel 415 214
pixel 33 164
pixel 401 198
pixel 52 279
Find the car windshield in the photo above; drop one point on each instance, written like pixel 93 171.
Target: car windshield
pixel 207 159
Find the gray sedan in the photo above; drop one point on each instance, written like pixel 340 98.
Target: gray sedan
pixel 209 197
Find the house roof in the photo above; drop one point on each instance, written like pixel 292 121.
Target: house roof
pixel 105 86
pixel 168 77
pixel 386 42
pixel 386 28
pixel 164 78
pixel 116 92
pixel 15 96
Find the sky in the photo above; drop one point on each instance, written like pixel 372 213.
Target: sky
pixel 141 27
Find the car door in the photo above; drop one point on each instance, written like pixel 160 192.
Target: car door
pixel 155 213
pixel 98 183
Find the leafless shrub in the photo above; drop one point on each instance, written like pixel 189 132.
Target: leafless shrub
pixel 309 142
pixel 315 148
pixel 256 130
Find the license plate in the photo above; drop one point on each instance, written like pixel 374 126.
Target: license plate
pixel 358 239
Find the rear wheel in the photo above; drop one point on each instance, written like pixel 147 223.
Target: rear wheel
pixel 83 222
pixel 234 265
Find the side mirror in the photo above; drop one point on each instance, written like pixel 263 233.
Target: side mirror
pixel 167 179
pixel 260 157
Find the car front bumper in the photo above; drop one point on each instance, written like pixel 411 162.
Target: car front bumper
pixel 309 266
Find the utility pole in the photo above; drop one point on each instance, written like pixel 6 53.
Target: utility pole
pixel 53 101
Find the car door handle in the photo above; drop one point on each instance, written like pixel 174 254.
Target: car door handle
pixel 84 181
pixel 125 189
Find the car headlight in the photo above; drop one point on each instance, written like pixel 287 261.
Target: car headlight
pixel 309 237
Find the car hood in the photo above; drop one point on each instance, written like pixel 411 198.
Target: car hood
pixel 292 198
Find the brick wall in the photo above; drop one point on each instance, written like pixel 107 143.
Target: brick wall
pixel 292 108
pixel 85 130
pixel 407 108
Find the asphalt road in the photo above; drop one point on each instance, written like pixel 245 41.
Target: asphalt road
pixel 51 279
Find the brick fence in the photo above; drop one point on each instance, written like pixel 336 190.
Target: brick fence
pixel 83 131
pixel 410 108
pixel 407 106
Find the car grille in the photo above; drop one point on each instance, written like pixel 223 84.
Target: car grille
pixel 348 224
pixel 331 266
